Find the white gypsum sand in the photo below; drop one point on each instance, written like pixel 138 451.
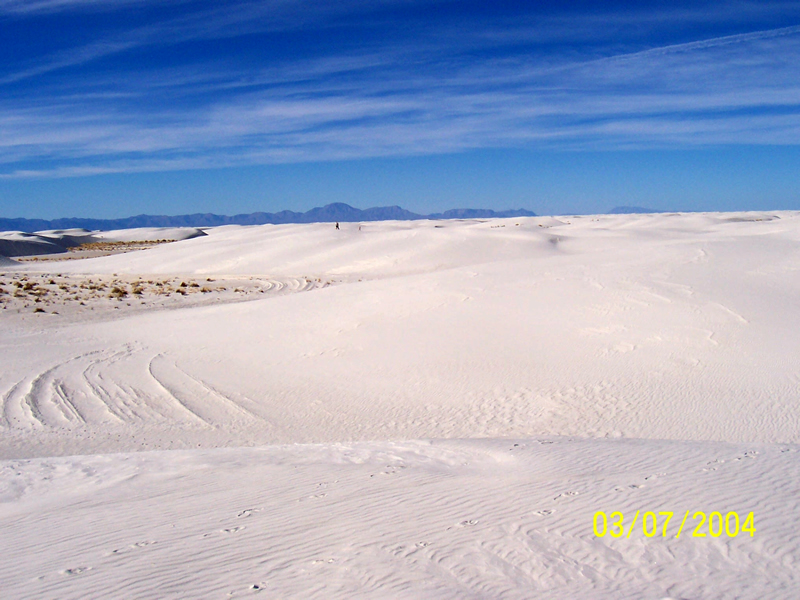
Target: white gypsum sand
pixel 561 366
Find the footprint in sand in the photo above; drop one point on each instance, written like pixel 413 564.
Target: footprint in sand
pixel 565 495
pixel 544 512
pixel 258 587
pixel 251 589
pixel 627 488
pixel 719 461
pixel 313 497
pixel 233 529
pixel 747 454
pixel 75 570
pixel 133 547
pixel 390 470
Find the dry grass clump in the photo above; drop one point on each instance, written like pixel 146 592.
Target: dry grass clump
pixel 109 246
pixel 44 290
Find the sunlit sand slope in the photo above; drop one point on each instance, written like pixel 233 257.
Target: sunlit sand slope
pixel 659 326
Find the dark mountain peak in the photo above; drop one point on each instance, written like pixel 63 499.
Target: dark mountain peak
pixel 338 211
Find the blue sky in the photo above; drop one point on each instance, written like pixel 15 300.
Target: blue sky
pixel 116 107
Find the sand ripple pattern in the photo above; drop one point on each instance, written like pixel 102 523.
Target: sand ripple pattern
pixel 96 388
pixel 473 519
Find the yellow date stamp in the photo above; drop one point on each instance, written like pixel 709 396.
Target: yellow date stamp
pixel 657 524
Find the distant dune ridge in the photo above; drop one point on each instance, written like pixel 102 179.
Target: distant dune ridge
pixel 632 210
pixel 57 241
pixel 330 213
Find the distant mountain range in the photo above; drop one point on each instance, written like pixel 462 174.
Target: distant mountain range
pixel 326 214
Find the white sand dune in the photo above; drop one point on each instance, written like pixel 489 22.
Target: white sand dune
pixel 644 347
pixel 18 243
pixel 372 250
pixel 148 234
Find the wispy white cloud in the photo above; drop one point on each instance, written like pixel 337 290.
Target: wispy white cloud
pixel 230 19
pixel 27 7
pixel 401 97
